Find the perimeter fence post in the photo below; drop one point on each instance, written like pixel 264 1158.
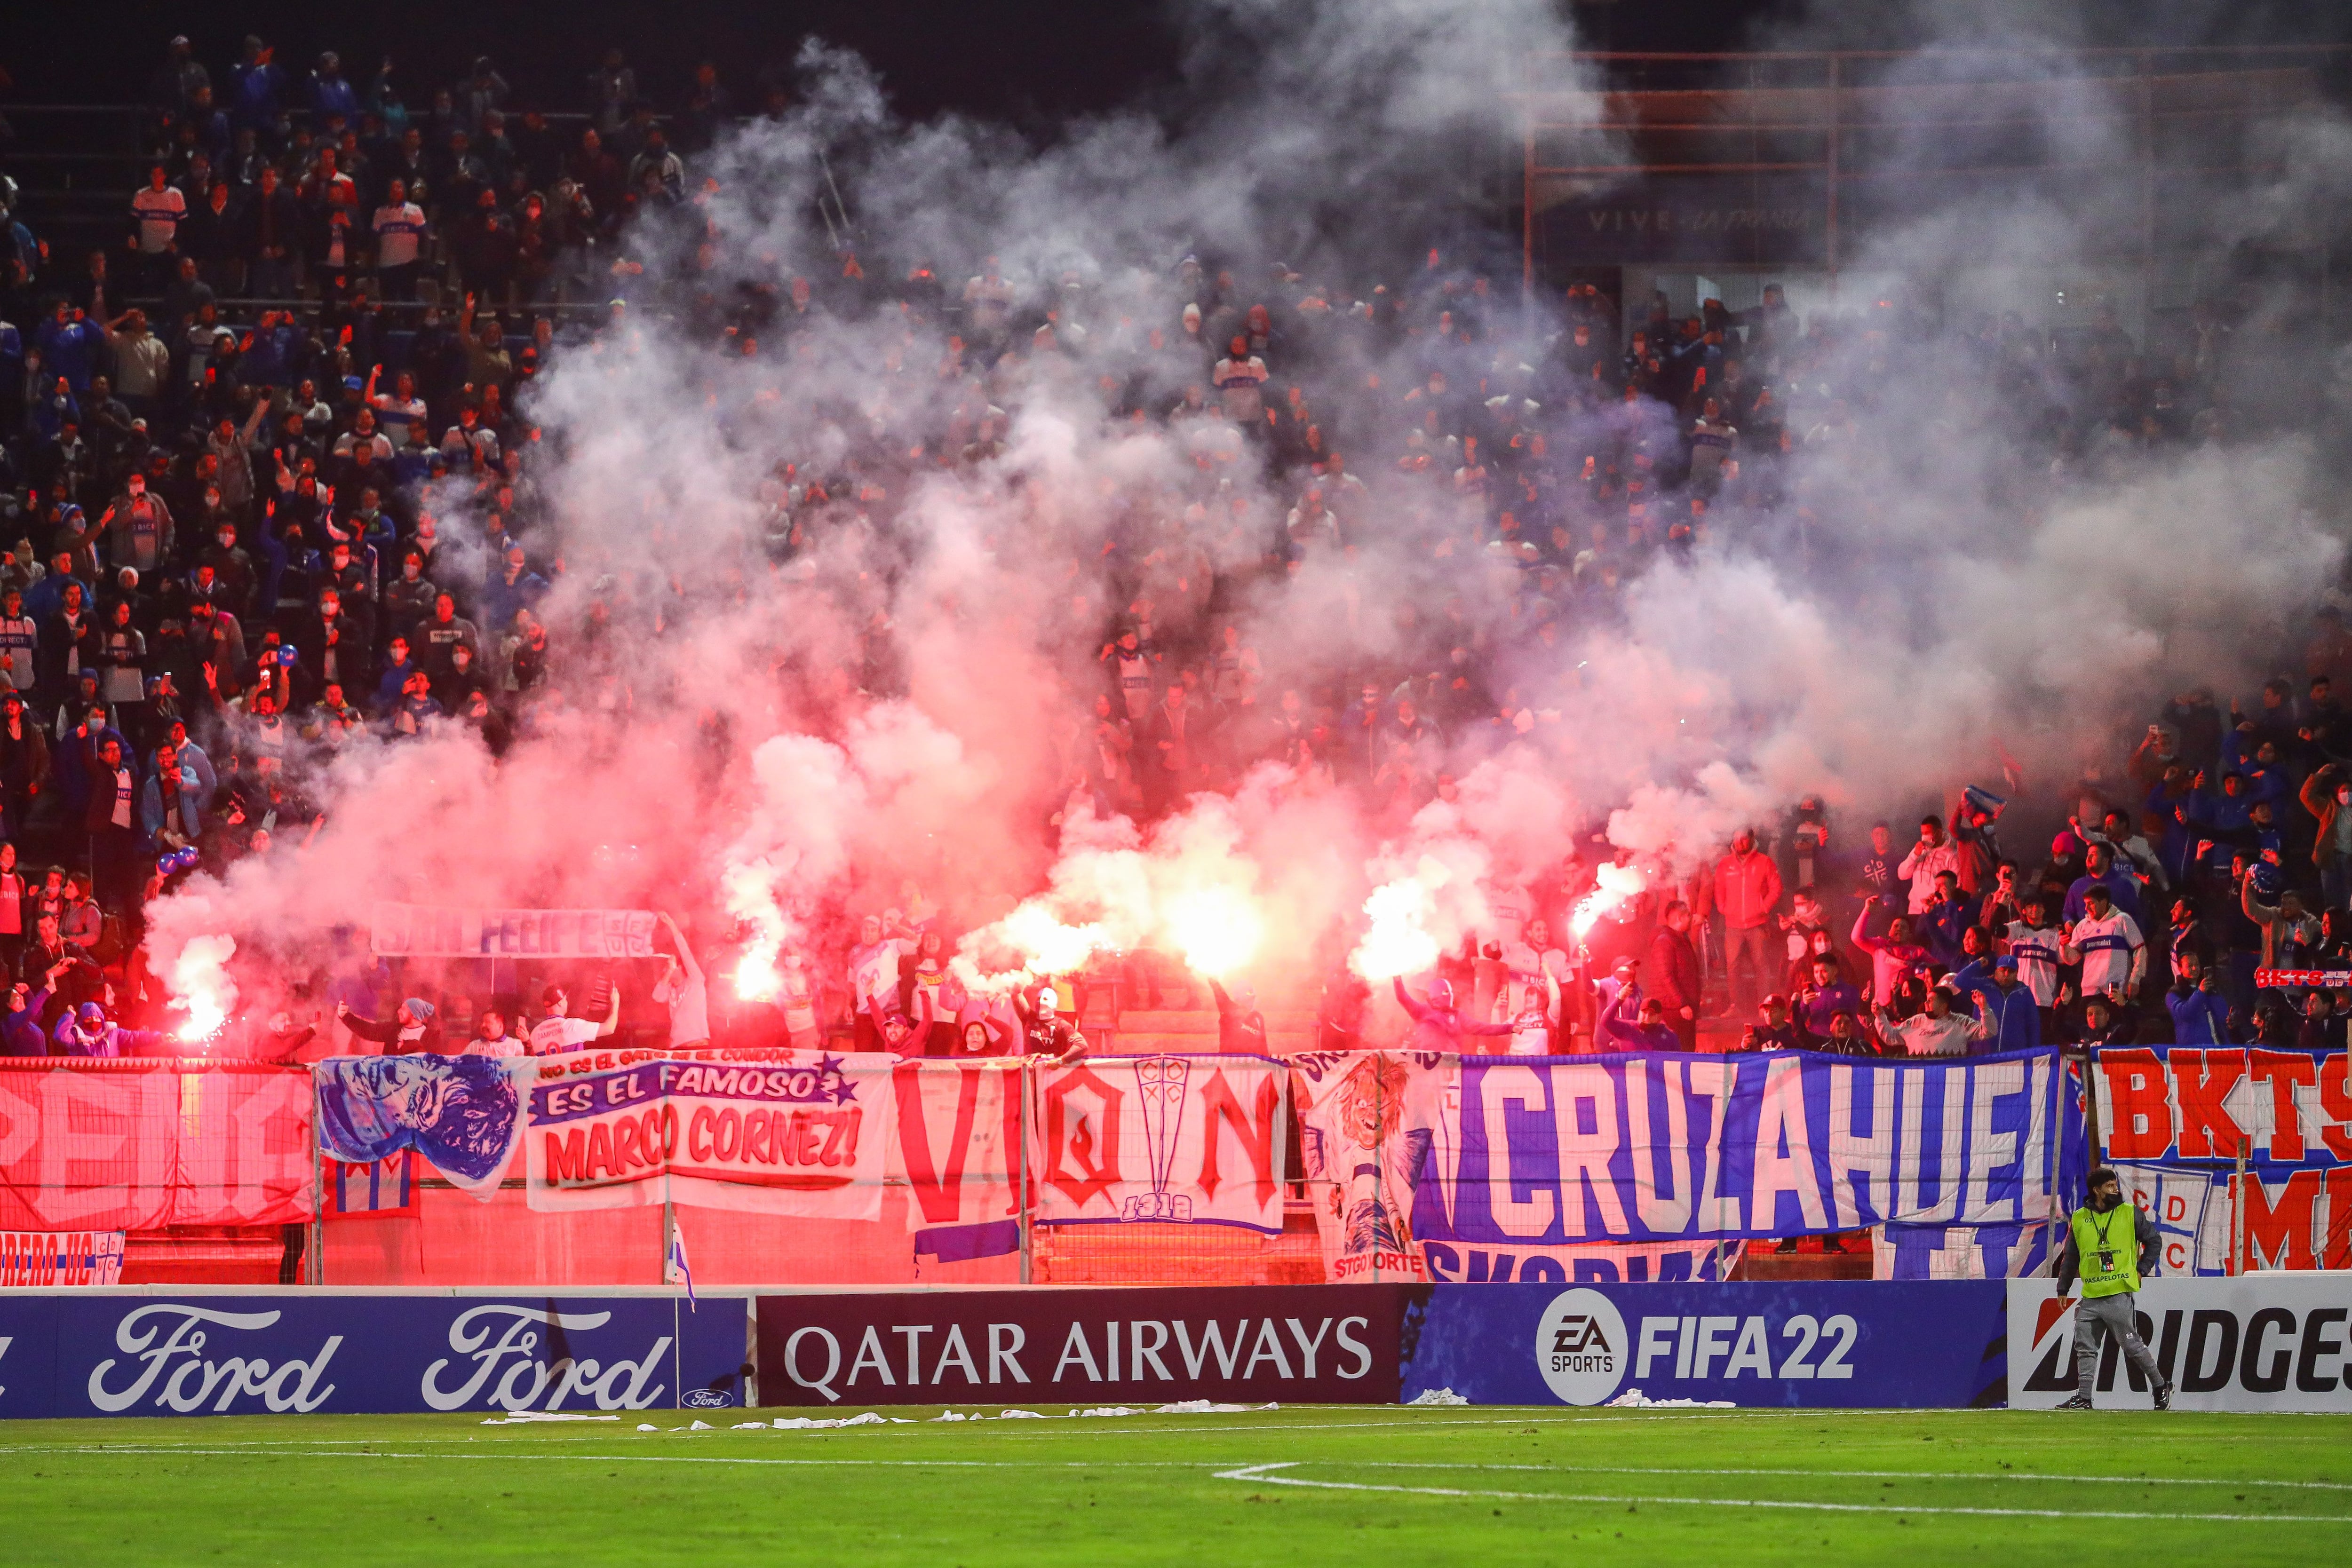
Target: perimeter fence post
pixel 1021 1191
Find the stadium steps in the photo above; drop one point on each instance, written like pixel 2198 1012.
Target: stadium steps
pixel 1761 1264
pixel 1156 1254
pixel 1191 1032
pixel 203 1255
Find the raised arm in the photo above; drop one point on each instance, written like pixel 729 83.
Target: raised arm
pixel 1413 1010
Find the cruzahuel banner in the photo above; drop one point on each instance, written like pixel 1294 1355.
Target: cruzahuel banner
pixel 134 1147
pixel 804 1138
pixel 1182 1140
pixel 1367 1120
pixel 463 1113
pixel 420 931
pixel 1653 1147
pixel 958 1143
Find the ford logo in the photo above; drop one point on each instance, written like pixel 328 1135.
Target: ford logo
pixel 706 1398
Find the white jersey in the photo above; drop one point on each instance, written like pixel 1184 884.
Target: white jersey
pixel 2035 948
pixel 399 231
pixel 551 1035
pixel 159 214
pixel 506 1045
pixel 1241 385
pixel 690 1007
pixel 395 414
pixel 1134 682
pixel 2112 951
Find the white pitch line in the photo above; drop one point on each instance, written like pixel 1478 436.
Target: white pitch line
pixel 1108 1426
pixel 1259 1474
pixel 1852 1475
pixel 673 1458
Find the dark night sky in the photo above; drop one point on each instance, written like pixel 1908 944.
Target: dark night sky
pixel 1025 61
pixel 1021 62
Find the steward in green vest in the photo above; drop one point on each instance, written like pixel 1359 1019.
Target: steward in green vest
pixel 2109 1246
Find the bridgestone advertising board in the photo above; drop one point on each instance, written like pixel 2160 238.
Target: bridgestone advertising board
pixel 2255 1342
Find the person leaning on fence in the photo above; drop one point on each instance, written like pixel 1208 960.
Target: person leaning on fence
pixel 1240 1026
pixel 2109 1253
pixel 1045 1032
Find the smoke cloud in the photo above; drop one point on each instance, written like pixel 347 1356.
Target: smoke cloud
pixel 833 592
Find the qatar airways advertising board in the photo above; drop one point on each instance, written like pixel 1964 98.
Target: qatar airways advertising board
pixel 201 1352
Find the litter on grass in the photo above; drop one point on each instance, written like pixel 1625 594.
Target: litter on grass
pixel 1437 1396
pixel 513 1417
pixel 647 1427
pixel 751 1425
pixel 1634 1399
pixel 816 1423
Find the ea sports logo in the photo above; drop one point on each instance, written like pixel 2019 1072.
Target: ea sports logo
pixel 1580 1347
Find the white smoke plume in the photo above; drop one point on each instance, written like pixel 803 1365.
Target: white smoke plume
pixel 831 605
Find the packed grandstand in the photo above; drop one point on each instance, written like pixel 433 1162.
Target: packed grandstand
pixel 424 497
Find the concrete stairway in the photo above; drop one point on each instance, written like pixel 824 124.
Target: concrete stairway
pixel 1192 1031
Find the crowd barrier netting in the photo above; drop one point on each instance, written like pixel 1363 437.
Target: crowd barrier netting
pixel 145 1144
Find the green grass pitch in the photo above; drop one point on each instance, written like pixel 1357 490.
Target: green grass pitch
pixel 1362 1486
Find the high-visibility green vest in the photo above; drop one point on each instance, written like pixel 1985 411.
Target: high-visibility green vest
pixel 2109 1245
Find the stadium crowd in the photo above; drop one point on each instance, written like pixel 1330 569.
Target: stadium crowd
pixel 233 439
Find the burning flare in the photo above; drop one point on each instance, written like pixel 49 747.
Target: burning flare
pixel 201 986
pixel 749 893
pixel 1616 884
pixel 1398 941
pixel 1217 929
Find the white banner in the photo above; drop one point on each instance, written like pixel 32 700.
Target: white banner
pixel 959 1141
pixel 1183 1140
pixel 2259 1342
pixel 803 1138
pixel 1587 1263
pixel 416 931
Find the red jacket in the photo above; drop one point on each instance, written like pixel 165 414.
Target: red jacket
pixel 1747 889
pixel 1672 973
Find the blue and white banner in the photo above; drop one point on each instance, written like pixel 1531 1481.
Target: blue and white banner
pixel 133 1352
pixel 463 1113
pixel 1853 1344
pixel 384 1188
pixel 1658 1147
pixel 1593 1263
pixel 1960 1251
